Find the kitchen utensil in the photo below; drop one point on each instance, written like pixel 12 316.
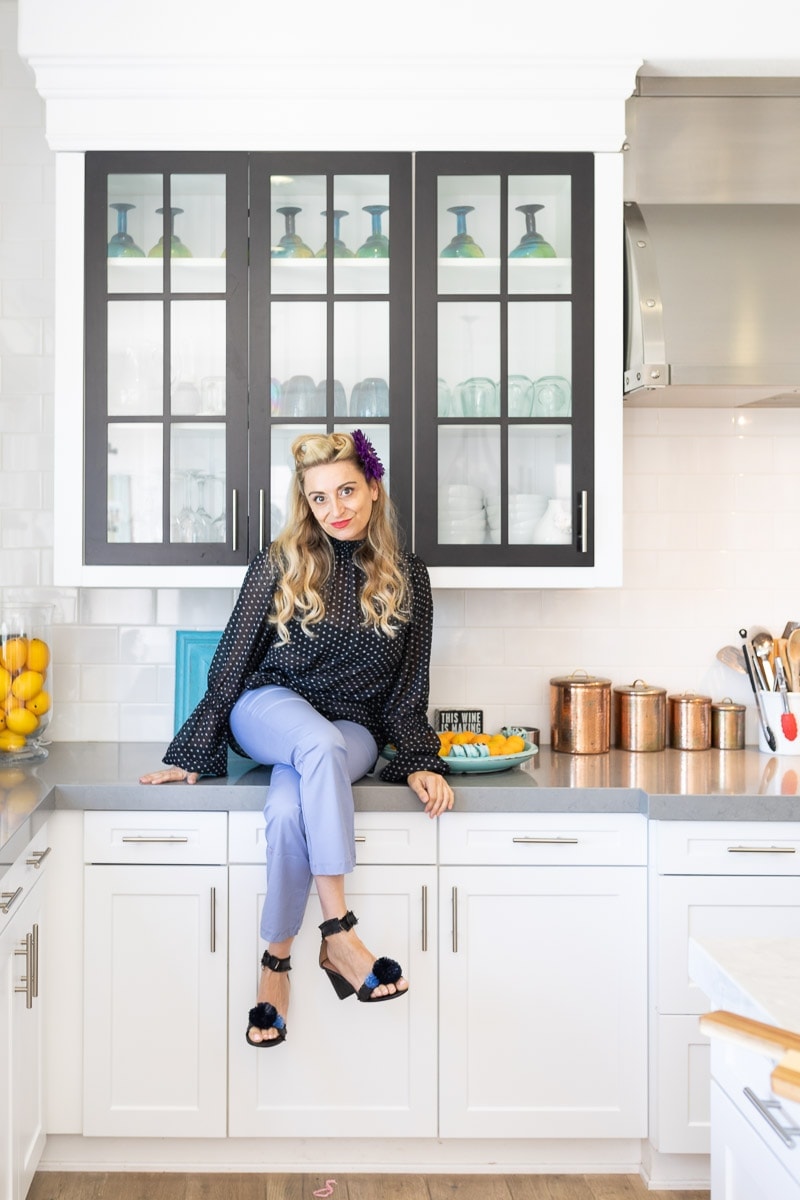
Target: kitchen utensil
pixel 762 643
pixel 640 717
pixel 769 736
pixel 793 659
pixel 780 652
pixel 731 656
pixel 580 713
pixel 727 725
pixel 789 627
pixel 689 721
pixel 788 719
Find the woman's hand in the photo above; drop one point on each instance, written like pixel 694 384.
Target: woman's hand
pixel 171 775
pixel 433 790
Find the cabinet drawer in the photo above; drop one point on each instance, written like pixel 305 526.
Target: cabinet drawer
pixel 726 848
pixel 546 839
pixel 155 837
pixel 735 1067
pixel 28 867
pixel 381 837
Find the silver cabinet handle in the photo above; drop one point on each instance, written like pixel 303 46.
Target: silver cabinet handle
pixel 169 839
pixel 9 898
pixel 234 518
pixel 583 516
pixel 262 519
pixel 213 920
pixel 546 841
pixel 761 849
pixel 360 837
pixel 787 1133
pixel 35 961
pixel 27 978
pixel 454 907
pixel 424 917
pixel 38 857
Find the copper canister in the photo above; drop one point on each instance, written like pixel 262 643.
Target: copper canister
pixel 580 714
pixel 640 716
pixel 727 725
pixel 689 721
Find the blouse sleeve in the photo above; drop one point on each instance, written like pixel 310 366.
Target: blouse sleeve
pixel 201 744
pixel 405 711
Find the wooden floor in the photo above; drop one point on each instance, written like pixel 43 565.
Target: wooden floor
pixel 69 1185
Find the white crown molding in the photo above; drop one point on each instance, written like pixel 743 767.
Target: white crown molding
pixel 395 102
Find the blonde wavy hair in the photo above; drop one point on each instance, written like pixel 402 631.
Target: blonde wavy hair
pixel 303 554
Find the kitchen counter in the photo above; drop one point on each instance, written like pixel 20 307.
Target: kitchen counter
pixel 754 977
pixel 668 785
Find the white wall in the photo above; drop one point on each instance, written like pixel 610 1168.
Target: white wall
pixel 711 535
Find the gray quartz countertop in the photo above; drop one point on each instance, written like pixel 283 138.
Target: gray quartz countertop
pixel 667 785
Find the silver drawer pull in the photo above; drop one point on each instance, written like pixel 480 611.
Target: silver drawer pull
pixel 170 839
pixel 9 898
pixel 454 911
pixel 787 1133
pixel 360 837
pixel 761 849
pixel 546 841
pixel 38 857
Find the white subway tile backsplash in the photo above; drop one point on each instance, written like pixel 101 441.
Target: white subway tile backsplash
pixel 84 722
pixel 145 723
pixel 206 608
pixel 146 644
pixel 485 609
pixel 133 684
pixel 117 606
pixel 21 415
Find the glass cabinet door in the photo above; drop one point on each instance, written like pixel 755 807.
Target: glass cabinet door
pixel 166 361
pixel 504 353
pixel 330 334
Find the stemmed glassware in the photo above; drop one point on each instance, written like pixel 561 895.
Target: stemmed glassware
pixel 377 244
pixel 532 244
pixel 339 248
pixel 462 245
pixel 291 245
pixel 193 523
pixel 122 245
pixel 176 247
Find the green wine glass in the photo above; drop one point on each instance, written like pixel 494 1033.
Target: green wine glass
pixel 176 246
pixel 122 244
pixel 377 244
pixel 291 244
pixel 462 245
pixel 532 244
pixel 339 248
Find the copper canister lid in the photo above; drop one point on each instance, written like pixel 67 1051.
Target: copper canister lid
pixel 639 688
pixel 580 679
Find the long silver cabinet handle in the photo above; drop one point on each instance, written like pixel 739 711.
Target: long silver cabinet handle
pixel 38 857
pixel 262 519
pixel 234 519
pixel 171 839
pixel 583 514
pixel 424 916
pixel 27 978
pixel 9 898
pixel 360 837
pixel 546 841
pixel 787 1133
pixel 761 849
pixel 213 920
pixel 454 906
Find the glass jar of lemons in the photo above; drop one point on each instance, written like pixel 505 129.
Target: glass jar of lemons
pixel 26 684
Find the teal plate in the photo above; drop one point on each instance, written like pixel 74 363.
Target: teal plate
pixel 477 766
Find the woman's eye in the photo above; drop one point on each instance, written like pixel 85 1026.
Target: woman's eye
pixel 346 491
pixel 317 499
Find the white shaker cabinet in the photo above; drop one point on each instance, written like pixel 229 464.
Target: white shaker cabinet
pixel 22 989
pixel 543 976
pixel 708 880
pixel 155 974
pixel 346 1068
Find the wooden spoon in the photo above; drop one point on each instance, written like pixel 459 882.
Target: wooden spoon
pixel 793 659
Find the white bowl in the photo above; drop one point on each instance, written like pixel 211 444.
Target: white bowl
pixel 461 491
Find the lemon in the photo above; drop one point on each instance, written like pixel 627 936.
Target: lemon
pixel 5 683
pixel 13 654
pixel 27 685
pixel 40 703
pixel 2 718
pixel 11 701
pixel 21 720
pixel 38 655
pixel 10 740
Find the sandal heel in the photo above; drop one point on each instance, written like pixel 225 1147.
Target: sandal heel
pixel 339 984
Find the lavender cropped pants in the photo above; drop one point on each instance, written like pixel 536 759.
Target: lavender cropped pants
pixel 309 807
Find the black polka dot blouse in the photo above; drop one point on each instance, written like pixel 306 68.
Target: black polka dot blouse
pixel 348 672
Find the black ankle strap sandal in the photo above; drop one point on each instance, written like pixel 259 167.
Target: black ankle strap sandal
pixel 384 970
pixel 264 1015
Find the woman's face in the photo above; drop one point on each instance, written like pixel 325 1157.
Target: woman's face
pixel 341 499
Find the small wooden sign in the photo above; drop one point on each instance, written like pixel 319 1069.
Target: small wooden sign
pixel 460 720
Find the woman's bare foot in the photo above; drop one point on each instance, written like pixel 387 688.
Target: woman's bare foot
pixel 273 988
pixel 348 955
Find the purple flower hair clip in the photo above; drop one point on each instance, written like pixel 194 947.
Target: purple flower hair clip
pixel 371 465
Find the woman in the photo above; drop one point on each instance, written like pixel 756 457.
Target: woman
pixel 324 660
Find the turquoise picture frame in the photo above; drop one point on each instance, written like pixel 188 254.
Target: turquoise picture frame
pixel 194 650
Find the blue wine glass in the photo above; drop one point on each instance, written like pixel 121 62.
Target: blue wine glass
pixel 176 246
pixel 122 244
pixel 462 245
pixel 339 248
pixel 291 244
pixel 377 244
pixel 532 244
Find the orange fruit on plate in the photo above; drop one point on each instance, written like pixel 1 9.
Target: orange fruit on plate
pixel 463 739
pixel 514 744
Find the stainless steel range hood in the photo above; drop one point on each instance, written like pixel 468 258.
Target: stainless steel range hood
pixel 712 243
